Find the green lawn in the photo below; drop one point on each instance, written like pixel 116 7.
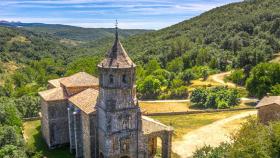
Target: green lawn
pixel 32 134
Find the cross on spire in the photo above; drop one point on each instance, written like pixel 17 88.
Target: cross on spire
pixel 117 34
pixel 116 23
pixel 117 56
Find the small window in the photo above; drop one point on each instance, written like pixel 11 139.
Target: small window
pixel 124 79
pixel 111 79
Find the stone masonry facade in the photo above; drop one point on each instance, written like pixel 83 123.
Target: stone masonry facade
pixel 100 118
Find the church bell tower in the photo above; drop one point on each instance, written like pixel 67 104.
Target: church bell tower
pixel 118 114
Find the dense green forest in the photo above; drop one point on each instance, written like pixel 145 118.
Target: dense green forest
pixel 167 59
pixel 236 35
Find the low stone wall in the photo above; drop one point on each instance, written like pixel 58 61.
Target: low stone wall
pixel 195 112
pixel 169 113
pixel 32 118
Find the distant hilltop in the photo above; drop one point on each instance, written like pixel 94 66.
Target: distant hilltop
pixel 72 32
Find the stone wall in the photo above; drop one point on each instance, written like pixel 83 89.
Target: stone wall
pixel 45 122
pixel 89 135
pixel 55 123
pixel 78 130
pixel 72 140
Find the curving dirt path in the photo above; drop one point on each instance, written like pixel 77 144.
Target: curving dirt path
pixel 219 78
pixel 212 135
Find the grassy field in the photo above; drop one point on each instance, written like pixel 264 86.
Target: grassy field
pixel 182 124
pixel 160 107
pixel 185 123
pixel 180 106
pixel 34 140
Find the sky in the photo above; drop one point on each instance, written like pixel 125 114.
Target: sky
pixel 131 14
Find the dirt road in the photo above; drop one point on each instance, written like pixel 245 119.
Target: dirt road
pixel 212 135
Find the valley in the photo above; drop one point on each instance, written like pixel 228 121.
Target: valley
pixel 202 76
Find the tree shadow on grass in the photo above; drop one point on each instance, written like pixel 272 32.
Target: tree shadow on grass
pixel 41 146
pixel 252 104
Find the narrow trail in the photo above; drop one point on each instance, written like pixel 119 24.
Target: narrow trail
pixel 212 135
pixel 219 78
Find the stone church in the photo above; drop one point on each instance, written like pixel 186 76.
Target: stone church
pixel 100 118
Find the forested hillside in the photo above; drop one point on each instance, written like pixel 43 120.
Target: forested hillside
pixel 236 35
pixel 239 35
pixel 73 32
pixel 23 46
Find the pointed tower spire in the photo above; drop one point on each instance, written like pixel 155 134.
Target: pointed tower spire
pixel 117 56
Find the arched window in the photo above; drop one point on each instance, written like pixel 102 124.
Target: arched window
pixel 111 79
pixel 124 78
pixel 125 123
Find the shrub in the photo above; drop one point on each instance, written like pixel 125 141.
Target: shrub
pixel 217 97
pixel 252 140
pixel 210 152
pixel 275 90
pixel 237 77
pixel 262 78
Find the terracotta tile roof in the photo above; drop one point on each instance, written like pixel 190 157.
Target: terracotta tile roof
pixel 117 57
pixel 268 100
pixel 56 82
pixel 85 100
pixel 53 94
pixel 150 125
pixel 81 79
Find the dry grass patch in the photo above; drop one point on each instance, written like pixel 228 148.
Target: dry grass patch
pixel 20 39
pixel 236 124
pixel 163 107
pixel 246 104
pixel 276 58
pixel 201 83
pixel 6 70
pixel 70 42
pixel 183 124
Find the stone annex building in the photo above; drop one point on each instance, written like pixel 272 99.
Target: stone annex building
pixel 100 118
pixel 269 109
